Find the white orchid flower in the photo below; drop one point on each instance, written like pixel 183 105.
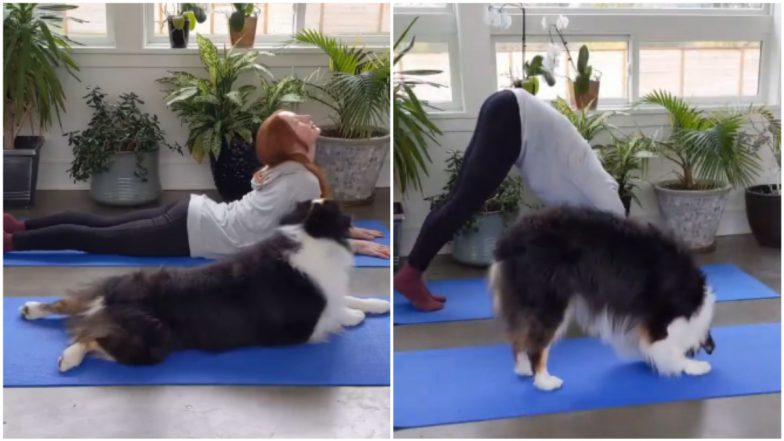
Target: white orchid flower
pixel 493 16
pixel 550 61
pixel 506 21
pixel 544 23
pixel 562 23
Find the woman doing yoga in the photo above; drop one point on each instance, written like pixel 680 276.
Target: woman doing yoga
pixel 514 128
pixel 199 226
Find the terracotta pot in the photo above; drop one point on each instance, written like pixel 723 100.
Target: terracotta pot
pixel 247 35
pixel 581 101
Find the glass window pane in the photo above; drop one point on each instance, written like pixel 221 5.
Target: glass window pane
pixel 700 69
pixel 429 56
pixel 348 18
pixel 648 5
pixel 94 13
pixel 609 58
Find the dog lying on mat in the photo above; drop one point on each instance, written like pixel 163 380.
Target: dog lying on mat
pixel 628 284
pixel 290 288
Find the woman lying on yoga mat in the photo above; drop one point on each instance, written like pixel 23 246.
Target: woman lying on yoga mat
pixel 199 226
pixel 556 163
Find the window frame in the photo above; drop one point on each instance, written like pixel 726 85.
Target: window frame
pixel 636 26
pixel 108 41
pixel 267 42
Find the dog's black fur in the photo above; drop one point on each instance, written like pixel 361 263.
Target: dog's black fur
pixel 642 276
pixel 254 298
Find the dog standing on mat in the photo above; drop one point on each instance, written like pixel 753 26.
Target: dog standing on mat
pixel 290 288
pixel 628 284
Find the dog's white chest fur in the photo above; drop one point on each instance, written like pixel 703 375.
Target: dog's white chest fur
pixel 328 264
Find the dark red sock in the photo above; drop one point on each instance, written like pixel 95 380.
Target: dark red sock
pixel 408 281
pixel 12 224
pixel 8 244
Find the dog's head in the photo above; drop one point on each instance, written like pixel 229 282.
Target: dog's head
pixel 320 218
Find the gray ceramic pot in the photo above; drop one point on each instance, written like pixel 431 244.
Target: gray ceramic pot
pixel 352 166
pixel 476 246
pixel 692 215
pixel 120 186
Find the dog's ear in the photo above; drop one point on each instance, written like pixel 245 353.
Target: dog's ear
pixel 326 220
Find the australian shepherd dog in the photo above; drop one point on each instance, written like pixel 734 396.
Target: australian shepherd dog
pixel 626 283
pixel 287 289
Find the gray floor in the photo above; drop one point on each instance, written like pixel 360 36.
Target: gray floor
pixel 186 411
pixel 750 416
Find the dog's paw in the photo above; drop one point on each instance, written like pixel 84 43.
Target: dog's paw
pixel 32 310
pixel 696 367
pixel 352 317
pixel 72 357
pixel 547 382
pixel 523 366
pixel 377 306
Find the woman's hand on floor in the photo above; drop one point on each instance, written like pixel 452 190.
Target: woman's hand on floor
pixel 364 233
pixel 369 248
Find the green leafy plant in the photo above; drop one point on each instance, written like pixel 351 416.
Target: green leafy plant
pixel 626 160
pixel 114 128
pixel 709 149
pixel 356 88
pixel 34 46
pixel 191 12
pixel 507 199
pixel 413 129
pixel 215 111
pixel 533 70
pixel 584 71
pixel 588 124
pixel 765 133
pixel 237 18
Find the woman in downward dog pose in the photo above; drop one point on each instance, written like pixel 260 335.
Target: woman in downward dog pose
pixel 514 128
pixel 199 226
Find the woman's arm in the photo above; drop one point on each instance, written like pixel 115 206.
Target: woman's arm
pixel 369 248
pixel 364 233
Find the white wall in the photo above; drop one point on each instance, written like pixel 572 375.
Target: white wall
pixel 476 62
pixel 132 67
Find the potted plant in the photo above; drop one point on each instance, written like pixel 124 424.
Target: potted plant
pixel 181 22
pixel 413 130
pixel 356 90
pixel 588 124
pixel 223 119
pixel 539 65
pixel 242 24
pixel 475 241
pixel 711 156
pixel 626 159
pixel 34 47
pixel 119 151
pixel 763 201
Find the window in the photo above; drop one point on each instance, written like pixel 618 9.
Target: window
pixel 701 69
pixel 278 21
pixel 659 6
pixel 94 31
pixel 430 56
pixel 609 58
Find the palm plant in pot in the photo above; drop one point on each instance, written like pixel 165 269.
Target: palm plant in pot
pixel 763 201
pixel 223 118
pixel 353 148
pixel 412 127
pixel 711 156
pixel 34 48
pixel 119 151
pixel 475 241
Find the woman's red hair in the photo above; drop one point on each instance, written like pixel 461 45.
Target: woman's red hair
pixel 276 142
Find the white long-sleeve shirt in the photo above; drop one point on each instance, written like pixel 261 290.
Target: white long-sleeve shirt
pixel 557 163
pixel 218 229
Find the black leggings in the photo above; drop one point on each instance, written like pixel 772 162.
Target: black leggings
pixel 160 231
pixel 493 150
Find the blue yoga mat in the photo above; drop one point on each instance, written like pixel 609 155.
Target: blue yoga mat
pixel 357 357
pixel 78 258
pixel 469 299
pixel 459 385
